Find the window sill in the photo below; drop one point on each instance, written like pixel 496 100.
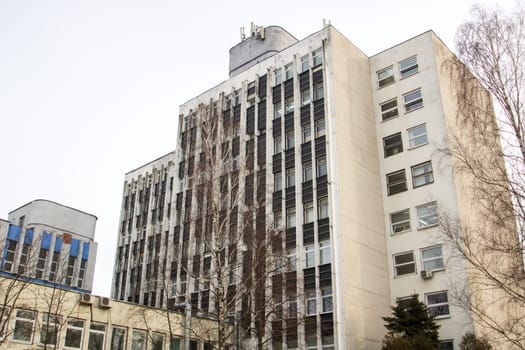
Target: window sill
pixel 428 183
pixel 442 317
pixel 408 76
pixel 389 119
pixel 418 146
pixel 412 110
pixel 427 227
pixel 399 233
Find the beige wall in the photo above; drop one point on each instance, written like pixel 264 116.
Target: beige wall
pixel 362 283
pixel 67 304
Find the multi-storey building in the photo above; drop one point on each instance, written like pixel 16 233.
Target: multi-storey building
pixel 330 150
pixel 50 243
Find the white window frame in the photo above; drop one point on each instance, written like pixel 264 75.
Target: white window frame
pixel 292 258
pixel 158 335
pixel 318 91
pixel 291 220
pixel 305 63
pixel 421 224
pixel 288 105
pixel 309 214
pixel 94 329
pixel 290 177
pixel 402 225
pixel 278 181
pixel 394 180
pixel 288 71
pixel 52 323
pixel 385 77
pixel 278 219
pixel 413 100
pixel 290 139
pixel 305 97
pixel 113 337
pixel 321 166
pixel 440 307
pixel 307 133
pixel 389 109
pixel 417 136
pixel 24 320
pixel 307 171
pixel 448 342
pixel 137 335
pixel 277 110
pixel 278 78
pixel 392 145
pixel 433 259
pixel 317 57
pixel 277 144
pixel 326 300
pixel 408 67
pixel 403 264
pixel 309 255
pixel 422 174
pixel 320 127
pixel 323 210
pixel 325 252
pixel 72 325
pixel 311 302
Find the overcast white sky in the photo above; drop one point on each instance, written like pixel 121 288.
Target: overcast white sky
pixel 90 89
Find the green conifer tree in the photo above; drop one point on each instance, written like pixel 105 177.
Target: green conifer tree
pixel 411 323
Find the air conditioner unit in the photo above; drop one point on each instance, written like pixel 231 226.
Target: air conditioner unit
pixel 86 299
pixel 104 302
pixel 426 274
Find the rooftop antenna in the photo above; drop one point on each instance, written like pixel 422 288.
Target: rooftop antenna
pixel 243 35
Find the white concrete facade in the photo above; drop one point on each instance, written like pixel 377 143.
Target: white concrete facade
pixel 346 170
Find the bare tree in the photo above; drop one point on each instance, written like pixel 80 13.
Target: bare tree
pixel 487 150
pixel 235 253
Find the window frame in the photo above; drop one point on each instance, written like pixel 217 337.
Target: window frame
pixel 93 331
pixel 427 206
pixel 277 110
pixel 321 166
pixel 124 329
pixel 412 137
pixel 427 175
pixel 311 302
pixel 277 144
pixel 317 57
pixel 392 183
pixel 325 252
pixel 52 323
pixel 394 148
pixel 290 177
pixel 162 339
pixel 309 255
pixel 402 223
pixel 397 265
pixel 291 217
pixel 318 91
pixel 389 112
pixel 449 343
pixel 408 70
pixel 327 300
pixel 288 71
pixel 137 331
pixel 308 172
pixel 323 208
pixel 308 212
pixel 438 305
pixel 277 76
pixel 74 328
pixel 305 63
pixel 278 181
pixel 290 139
pixel 307 133
pixel 320 127
pixel 306 97
pixel 414 103
pixel 24 320
pixel 432 258
pixel 385 76
pixel 288 105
